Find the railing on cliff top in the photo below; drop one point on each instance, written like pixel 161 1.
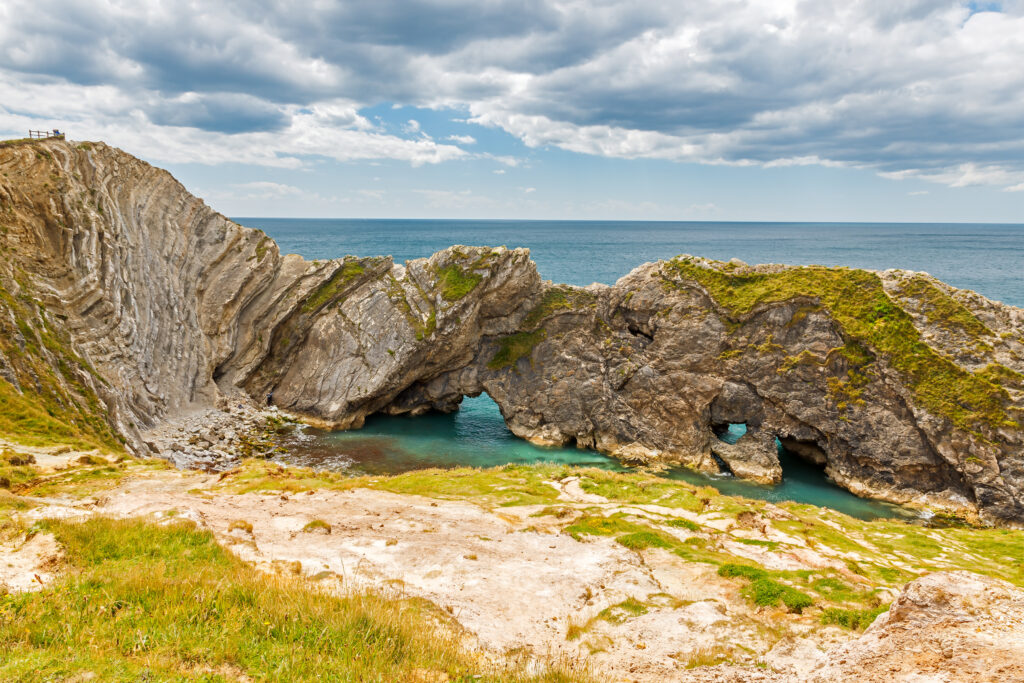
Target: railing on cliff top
pixel 46 134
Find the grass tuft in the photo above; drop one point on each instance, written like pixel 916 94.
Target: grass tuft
pixel 853 619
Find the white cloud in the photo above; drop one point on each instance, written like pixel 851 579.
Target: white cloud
pixel 918 88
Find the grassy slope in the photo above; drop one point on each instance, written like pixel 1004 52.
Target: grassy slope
pixel 164 602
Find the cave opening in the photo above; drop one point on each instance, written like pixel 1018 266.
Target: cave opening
pixel 729 432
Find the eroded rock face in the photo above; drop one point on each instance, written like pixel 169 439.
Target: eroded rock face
pixel 946 626
pixel 901 387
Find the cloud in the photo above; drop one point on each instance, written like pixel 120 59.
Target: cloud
pixel 916 88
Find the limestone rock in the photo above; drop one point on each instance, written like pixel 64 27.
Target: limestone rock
pixel 947 626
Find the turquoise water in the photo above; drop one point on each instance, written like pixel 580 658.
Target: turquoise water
pixel 985 258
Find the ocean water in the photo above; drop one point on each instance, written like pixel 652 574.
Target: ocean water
pixel 985 258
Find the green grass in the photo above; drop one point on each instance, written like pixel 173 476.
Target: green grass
pixel 335 286
pixel 642 540
pixel 514 347
pixel 456 282
pixel 557 299
pixel 639 488
pixel 768 593
pixel 620 612
pixel 857 301
pixel 152 602
pixel 853 619
pixel 745 571
pixel 941 310
pixel 683 524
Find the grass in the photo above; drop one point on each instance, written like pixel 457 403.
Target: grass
pixel 678 523
pixel 514 347
pixel 317 526
pixel 87 477
pixel 767 593
pixel 151 602
pixel 642 540
pixel 858 302
pixel 621 612
pixel 941 310
pixel 455 282
pixel 240 525
pixel 335 286
pixel 558 299
pixel 713 655
pixel 853 619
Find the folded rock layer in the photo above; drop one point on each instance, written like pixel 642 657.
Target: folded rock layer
pixel 127 300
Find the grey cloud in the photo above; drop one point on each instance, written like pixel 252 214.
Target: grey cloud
pixel 223 113
pixel 889 84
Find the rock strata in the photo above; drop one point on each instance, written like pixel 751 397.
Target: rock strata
pixel 127 301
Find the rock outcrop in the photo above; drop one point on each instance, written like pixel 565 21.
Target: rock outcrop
pixel 128 300
pixel 948 626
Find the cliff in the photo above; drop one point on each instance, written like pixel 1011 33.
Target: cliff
pixel 126 300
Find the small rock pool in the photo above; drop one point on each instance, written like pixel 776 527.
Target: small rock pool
pixel 476 436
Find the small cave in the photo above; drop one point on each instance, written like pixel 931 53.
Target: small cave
pixel 807 451
pixel 637 331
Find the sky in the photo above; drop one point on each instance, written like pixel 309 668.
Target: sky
pixel 792 110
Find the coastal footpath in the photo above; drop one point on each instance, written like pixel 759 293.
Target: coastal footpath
pixel 125 302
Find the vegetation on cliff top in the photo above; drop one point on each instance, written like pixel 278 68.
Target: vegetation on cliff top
pixel 858 302
pixel 456 282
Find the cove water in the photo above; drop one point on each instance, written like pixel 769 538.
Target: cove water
pixel 984 257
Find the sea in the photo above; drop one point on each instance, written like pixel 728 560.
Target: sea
pixel 986 258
